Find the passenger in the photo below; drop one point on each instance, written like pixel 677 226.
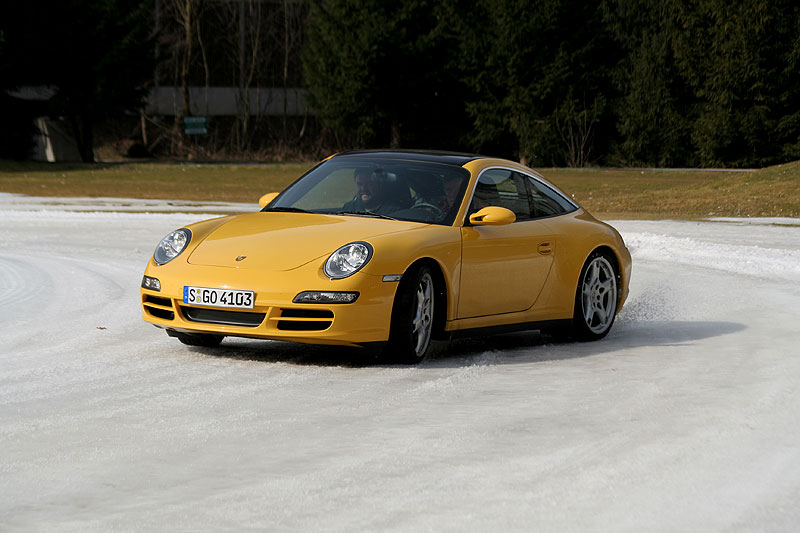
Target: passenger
pixel 452 186
pixel 449 201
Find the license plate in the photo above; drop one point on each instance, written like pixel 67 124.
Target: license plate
pixel 218 297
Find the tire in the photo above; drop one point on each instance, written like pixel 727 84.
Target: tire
pixel 204 340
pixel 596 298
pixel 412 317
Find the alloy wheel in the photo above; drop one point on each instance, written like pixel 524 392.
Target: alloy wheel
pixel 599 295
pixel 422 322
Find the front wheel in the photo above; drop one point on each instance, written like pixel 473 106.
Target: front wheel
pixel 412 317
pixel 596 298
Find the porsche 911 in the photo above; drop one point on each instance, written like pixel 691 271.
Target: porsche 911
pixel 393 249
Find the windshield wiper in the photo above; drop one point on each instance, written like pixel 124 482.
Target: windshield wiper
pixel 284 210
pixel 363 214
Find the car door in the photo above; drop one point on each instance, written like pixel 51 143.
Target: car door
pixel 503 268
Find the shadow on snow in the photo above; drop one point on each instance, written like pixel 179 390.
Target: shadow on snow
pixel 511 348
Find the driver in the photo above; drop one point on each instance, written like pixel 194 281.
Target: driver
pixel 370 194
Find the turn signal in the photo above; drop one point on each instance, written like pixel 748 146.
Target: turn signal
pixel 151 283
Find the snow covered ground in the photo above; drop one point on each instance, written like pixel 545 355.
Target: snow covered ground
pixel 686 418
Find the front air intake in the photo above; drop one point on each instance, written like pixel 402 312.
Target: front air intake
pixel 304 319
pixel 158 307
pixel 226 318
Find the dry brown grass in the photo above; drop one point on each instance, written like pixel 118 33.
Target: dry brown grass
pixel 224 182
pixel 609 193
pixel 770 192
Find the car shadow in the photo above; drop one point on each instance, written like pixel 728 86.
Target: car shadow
pixel 533 346
pixel 511 348
pixel 268 351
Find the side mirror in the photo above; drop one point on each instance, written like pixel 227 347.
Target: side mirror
pixel 492 216
pixel 267 198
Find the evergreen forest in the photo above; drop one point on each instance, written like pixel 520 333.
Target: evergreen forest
pixel 661 83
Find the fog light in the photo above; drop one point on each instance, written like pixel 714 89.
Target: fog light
pixel 151 283
pixel 325 297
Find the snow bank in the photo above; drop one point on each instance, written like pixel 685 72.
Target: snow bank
pixel 749 259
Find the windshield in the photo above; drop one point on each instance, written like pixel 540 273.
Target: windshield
pixel 417 191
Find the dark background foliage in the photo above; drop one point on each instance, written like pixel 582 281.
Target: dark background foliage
pixel 95 54
pixel 552 82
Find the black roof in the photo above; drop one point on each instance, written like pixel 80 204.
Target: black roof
pixel 450 158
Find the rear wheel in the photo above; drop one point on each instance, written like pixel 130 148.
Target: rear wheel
pixel 596 298
pixel 205 340
pixel 412 317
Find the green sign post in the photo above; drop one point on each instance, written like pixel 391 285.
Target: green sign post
pixel 195 126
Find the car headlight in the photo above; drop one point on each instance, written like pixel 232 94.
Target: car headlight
pixel 172 245
pixel 348 260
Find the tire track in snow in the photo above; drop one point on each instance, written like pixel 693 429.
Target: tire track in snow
pixel 21 284
pixel 54 298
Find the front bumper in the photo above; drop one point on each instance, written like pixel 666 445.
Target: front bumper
pixel 274 315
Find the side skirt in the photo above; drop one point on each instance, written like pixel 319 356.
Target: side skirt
pixel 506 328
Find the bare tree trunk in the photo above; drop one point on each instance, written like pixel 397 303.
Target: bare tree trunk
pixel 176 141
pixel 576 132
pixel 183 12
pixel 187 57
pixel 144 127
pixel 254 42
pixel 395 142
pixel 206 70
pixel 157 48
pixel 285 64
pixel 242 119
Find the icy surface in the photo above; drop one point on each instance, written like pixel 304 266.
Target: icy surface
pixel 22 204
pixel 777 221
pixel 686 418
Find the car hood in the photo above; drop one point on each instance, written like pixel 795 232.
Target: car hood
pixel 282 241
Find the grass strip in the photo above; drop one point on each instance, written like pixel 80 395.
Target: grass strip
pixel 608 193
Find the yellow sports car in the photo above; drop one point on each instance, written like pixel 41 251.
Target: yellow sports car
pixel 392 248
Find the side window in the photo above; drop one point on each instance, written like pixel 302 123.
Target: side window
pixel 545 202
pixel 505 189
